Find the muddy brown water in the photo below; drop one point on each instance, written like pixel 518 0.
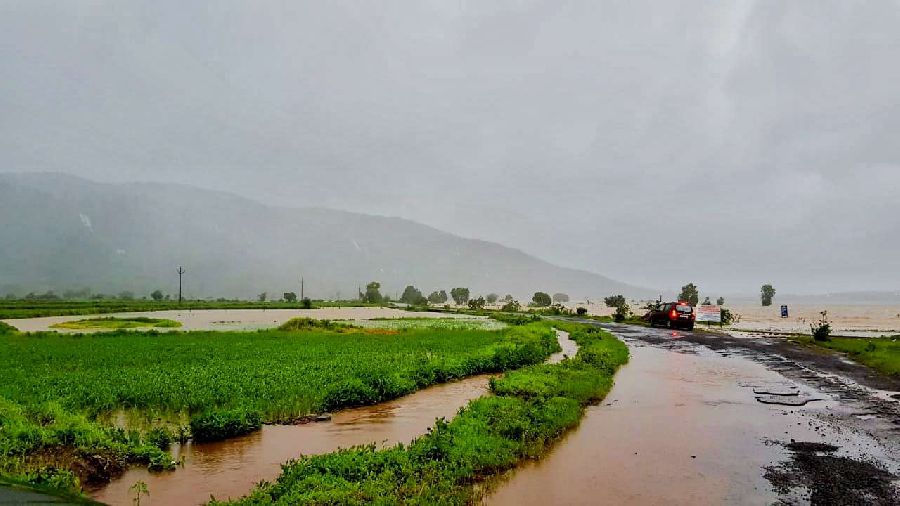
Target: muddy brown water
pixel 680 427
pixel 230 469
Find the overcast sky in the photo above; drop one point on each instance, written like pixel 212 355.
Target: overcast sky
pixel 729 143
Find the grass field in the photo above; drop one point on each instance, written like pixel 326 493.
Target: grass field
pixel 432 323
pixel 117 323
pixel 531 409
pixel 879 353
pixel 54 388
pixel 19 308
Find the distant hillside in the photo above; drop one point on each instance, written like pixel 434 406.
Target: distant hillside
pixel 60 232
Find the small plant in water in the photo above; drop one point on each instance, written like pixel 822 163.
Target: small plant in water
pixel 139 489
pixel 821 329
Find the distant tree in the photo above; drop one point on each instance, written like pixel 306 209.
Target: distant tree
pixel 720 301
pixel 560 297
pixel 126 295
pixel 10 296
pixel 412 295
pixel 581 311
pixel 491 298
pixel 508 298
pixel 460 295
pixel 438 297
pixel 262 297
pixel 706 302
pixel 511 306
pixel 477 304
pixel 767 293
pixel 373 293
pixel 289 297
pixel 614 300
pixel 622 313
pixel 156 295
pixel 168 297
pixel 689 294
pixel 306 303
pixel 541 299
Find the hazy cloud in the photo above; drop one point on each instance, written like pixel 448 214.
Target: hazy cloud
pixel 727 143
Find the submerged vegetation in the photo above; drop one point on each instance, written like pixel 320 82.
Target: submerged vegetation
pixel 54 388
pixel 530 409
pixel 117 323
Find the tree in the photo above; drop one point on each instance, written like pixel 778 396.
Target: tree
pixel 290 297
pixel 262 297
pixel 156 295
pixel 491 298
pixel 581 311
pixel 126 295
pixel 460 295
pixel 511 306
pixel 706 302
pixel 508 298
pixel 541 299
pixel 373 293
pixel 720 301
pixel 306 303
pixel 438 297
pixel 614 301
pixel 412 296
pixel 689 294
pixel 767 293
pixel 476 304
pixel 560 297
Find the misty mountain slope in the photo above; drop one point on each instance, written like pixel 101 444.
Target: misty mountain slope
pixel 64 232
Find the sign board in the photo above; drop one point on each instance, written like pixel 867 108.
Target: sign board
pixel 709 314
pixel 784 311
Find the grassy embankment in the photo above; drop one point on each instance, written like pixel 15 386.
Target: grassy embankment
pixel 10 309
pixel 530 409
pixel 879 353
pixel 117 323
pixel 55 390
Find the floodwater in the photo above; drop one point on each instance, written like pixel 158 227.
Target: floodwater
pixel 677 428
pixel 230 469
pixel 234 319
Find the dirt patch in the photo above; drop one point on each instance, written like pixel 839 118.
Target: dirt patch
pixel 92 469
pixel 822 478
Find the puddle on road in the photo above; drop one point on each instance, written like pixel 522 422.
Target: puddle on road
pixel 677 428
pixel 231 468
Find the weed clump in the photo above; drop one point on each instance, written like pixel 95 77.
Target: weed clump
pixel 223 424
pixel 301 324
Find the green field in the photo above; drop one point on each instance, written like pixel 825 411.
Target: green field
pixel 19 308
pixel 530 410
pixel 111 323
pixel 431 323
pixel 55 388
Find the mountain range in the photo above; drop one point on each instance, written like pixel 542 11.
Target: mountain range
pixel 63 232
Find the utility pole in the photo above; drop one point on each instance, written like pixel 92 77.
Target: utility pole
pixel 302 296
pixel 180 273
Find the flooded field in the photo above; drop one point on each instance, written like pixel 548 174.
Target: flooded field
pixel 851 320
pixel 231 468
pixel 684 426
pixel 235 319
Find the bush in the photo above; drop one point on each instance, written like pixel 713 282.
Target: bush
pixel 160 437
pixel 306 303
pixel 541 299
pixel 511 306
pixel 581 311
pixel 219 425
pixel 821 329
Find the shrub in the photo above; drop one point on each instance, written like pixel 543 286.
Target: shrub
pixel 581 311
pixel 160 437
pixel 511 306
pixel 821 329
pixel 218 425
pixel 301 324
